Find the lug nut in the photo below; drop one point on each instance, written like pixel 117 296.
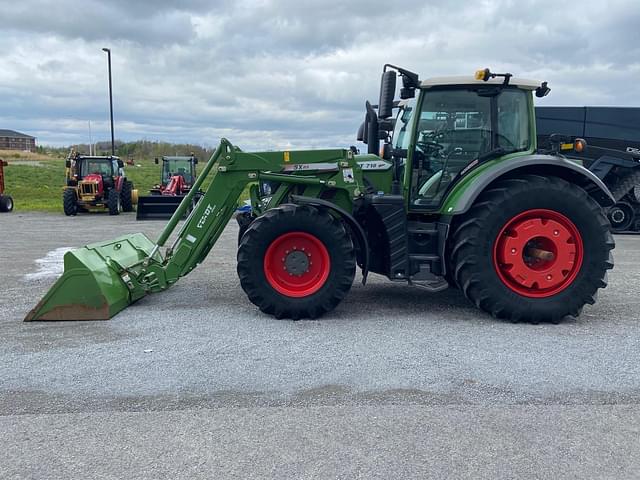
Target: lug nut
pixel 549 277
pixel 513 250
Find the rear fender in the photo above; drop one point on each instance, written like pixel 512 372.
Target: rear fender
pixel 357 231
pixel 464 194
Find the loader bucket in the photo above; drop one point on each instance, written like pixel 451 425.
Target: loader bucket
pixel 91 287
pixel 157 207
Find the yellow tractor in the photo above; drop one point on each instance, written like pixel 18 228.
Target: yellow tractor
pixel 94 182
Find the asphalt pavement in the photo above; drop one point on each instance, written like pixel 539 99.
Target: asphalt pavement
pixel 395 383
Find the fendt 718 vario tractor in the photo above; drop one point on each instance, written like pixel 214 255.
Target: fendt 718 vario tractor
pixel 457 196
pixel 97 182
pixel 177 177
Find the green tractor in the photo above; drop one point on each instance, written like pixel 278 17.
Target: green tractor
pixel 453 192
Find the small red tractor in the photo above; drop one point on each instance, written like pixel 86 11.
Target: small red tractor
pixel 97 182
pixel 6 202
pixel 176 179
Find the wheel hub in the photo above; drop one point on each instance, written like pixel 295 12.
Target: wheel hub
pixel 297 264
pixel 538 253
pixel 618 215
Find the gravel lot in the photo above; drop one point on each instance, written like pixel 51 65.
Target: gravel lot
pixel 395 383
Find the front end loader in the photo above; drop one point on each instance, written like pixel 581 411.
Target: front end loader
pixel 176 179
pixel 457 195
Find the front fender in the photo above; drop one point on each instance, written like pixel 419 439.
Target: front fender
pixel 358 232
pixel 465 192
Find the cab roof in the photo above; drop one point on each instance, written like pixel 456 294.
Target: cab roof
pixel 523 83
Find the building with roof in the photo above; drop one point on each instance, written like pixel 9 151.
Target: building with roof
pixel 12 140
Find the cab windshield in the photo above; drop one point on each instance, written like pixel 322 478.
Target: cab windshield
pixel 96 166
pixel 459 125
pixel 177 166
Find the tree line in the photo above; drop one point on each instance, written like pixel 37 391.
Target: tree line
pixel 137 150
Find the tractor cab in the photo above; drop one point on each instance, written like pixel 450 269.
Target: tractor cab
pixel 460 124
pixel 103 166
pixel 454 125
pixel 182 166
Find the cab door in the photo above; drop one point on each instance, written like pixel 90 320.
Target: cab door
pixel 454 128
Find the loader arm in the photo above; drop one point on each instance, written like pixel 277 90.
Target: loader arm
pixel 234 170
pixel 101 279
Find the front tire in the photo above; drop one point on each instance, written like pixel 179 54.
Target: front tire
pixel 296 262
pixel 70 202
pixel 126 196
pixel 113 202
pixel 532 249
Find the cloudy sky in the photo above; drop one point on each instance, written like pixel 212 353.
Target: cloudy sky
pixel 287 73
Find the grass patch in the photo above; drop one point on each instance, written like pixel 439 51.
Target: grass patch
pixel 35 181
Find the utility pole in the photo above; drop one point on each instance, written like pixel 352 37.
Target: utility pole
pixel 90 140
pixel 113 143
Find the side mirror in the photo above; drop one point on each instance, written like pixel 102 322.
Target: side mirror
pixel 120 163
pixel 67 164
pixel 387 92
pixel 406 93
pixel 155 160
pixel 195 160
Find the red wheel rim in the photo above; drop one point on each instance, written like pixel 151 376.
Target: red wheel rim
pixel 538 253
pixel 297 264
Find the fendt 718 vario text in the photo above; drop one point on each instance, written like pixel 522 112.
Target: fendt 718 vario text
pixel 458 195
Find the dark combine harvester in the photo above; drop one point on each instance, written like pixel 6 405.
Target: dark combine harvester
pixel 613 152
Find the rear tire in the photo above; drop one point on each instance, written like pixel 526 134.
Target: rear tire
pixel 296 262
pixel 126 199
pixel 6 203
pixel 70 202
pixel 499 247
pixel 113 202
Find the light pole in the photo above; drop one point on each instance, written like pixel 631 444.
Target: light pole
pixel 113 143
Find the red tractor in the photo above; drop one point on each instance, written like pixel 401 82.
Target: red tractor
pixel 177 177
pixel 6 202
pixel 97 182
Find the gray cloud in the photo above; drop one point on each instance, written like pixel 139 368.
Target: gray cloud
pixel 269 74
